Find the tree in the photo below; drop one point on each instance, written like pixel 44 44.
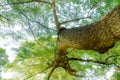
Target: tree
pixel 31 15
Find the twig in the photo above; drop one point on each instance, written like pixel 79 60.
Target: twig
pixel 93 7
pixel 31 76
pixel 38 72
pixel 38 22
pixel 106 60
pixel 4 17
pixel 15 3
pixel 44 26
pixel 73 20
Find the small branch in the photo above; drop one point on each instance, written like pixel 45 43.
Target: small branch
pixel 31 75
pixel 117 65
pixel 106 60
pixel 15 3
pixel 41 1
pixel 73 20
pixel 49 75
pixel 77 19
pixel 51 65
pixel 55 16
pixel 38 22
pixel 4 17
pixel 44 26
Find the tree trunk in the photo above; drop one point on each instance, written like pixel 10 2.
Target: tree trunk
pixel 98 36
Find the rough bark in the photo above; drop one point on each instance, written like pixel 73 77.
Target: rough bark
pixel 99 36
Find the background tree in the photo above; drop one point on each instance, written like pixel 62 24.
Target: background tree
pixel 34 19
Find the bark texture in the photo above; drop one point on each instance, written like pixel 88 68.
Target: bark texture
pixel 99 36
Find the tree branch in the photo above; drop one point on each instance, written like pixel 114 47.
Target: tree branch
pixel 90 60
pixel 87 60
pixel 77 19
pixel 44 26
pixel 14 3
pixel 93 7
pixel 49 75
pixel 55 16
pixel 4 17
pixel 73 20
pixel 107 59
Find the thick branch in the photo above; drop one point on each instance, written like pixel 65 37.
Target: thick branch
pixel 55 16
